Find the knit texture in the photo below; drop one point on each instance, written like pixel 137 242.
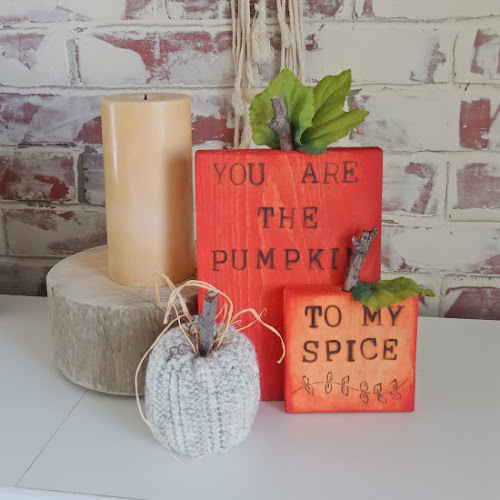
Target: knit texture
pixel 202 405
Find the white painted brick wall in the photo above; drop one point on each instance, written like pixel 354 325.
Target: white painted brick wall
pixel 474 187
pixel 382 53
pixel 423 10
pixel 477 55
pixel 428 72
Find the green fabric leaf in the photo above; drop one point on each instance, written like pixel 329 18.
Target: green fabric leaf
pixel 330 122
pixel 299 101
pixel 385 293
pixel 332 86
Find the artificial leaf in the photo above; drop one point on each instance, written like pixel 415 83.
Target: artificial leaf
pixel 299 102
pixel 330 122
pixel 336 87
pixel 316 138
pixel 385 293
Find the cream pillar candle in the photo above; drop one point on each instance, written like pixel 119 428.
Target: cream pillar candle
pixel 149 186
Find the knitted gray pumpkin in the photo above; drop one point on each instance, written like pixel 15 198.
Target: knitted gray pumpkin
pixel 202 404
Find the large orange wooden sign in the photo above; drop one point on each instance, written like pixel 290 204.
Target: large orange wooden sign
pixel 269 218
pixel 344 357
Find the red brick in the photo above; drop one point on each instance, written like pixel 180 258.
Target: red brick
pixel 93 174
pixel 486 41
pixel 211 118
pixel 220 9
pixel 47 233
pixel 413 187
pixel 138 9
pixel 51 11
pixel 478 186
pixel 480 124
pixel 33 59
pixel 20 47
pixel 176 57
pixel 37 176
pixel 404 53
pixel 458 247
pixel 426 10
pixel 473 302
pixel 414 120
pixel 49 119
pixel 24 276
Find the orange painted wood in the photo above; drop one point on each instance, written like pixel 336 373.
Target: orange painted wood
pixel 270 218
pixel 344 357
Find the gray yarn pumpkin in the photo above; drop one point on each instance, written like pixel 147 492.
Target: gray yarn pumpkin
pixel 202 404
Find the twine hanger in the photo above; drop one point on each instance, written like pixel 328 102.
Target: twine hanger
pixel 252 46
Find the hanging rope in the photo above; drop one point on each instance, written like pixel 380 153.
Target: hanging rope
pixel 292 35
pixel 252 46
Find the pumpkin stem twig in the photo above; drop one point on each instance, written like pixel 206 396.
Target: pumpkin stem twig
pixel 207 328
pixel 281 124
pixel 361 247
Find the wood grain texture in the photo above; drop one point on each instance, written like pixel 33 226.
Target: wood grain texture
pixel 343 357
pixel 248 246
pixel 102 329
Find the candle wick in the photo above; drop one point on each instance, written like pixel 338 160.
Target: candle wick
pixel 145 97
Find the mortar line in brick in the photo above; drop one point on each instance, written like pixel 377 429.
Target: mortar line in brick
pixel 11 205
pixel 440 294
pixel 433 222
pixel 413 89
pixel 471 219
pixel 454 60
pixel 37 260
pixel 4 230
pixel 472 276
pixel 446 194
pixel 165 22
pixel 80 178
pixel 91 91
pixel 437 21
pixel 70 51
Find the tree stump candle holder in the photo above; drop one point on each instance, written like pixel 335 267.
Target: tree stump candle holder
pixel 102 329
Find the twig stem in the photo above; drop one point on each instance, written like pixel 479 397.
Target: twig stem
pixel 280 124
pixel 206 322
pixel 361 247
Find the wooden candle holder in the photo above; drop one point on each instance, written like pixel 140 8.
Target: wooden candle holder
pixel 344 357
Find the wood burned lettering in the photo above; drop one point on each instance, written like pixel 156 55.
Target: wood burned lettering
pixel 280 259
pixel 254 174
pixel 368 348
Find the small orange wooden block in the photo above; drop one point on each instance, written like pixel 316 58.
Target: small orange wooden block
pixel 344 357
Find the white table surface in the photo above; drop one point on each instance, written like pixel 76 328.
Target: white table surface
pixel 59 441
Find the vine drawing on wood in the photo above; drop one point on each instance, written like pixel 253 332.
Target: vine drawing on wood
pixel 346 389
